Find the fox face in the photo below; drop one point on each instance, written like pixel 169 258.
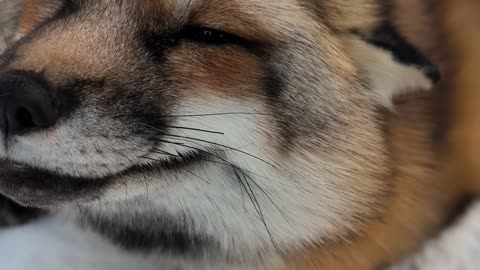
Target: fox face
pixel 238 128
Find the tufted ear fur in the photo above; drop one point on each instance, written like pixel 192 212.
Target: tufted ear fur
pixel 391 64
pixel 8 14
pixel 34 12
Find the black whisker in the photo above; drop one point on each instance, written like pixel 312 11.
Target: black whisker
pixel 144 176
pixel 158 151
pixel 197 143
pixel 215 114
pixel 80 211
pixel 197 129
pixel 146 187
pixel 225 162
pixel 126 192
pixel 209 142
pixel 186 128
pixel 256 204
pixel 192 173
pixel 220 145
pixel 119 116
pixel 148 158
pixel 248 189
pixel 196 175
pixel 249 194
pixel 5 38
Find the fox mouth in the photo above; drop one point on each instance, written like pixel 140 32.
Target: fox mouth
pixel 36 187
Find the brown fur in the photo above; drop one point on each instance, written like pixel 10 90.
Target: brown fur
pixel 462 159
pixel 236 67
pixel 424 197
pixel 232 68
pixel 421 200
pixel 34 12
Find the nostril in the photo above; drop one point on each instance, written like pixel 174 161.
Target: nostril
pixel 30 114
pixel 27 105
pixel 24 118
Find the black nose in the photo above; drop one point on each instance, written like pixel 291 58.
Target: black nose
pixel 25 105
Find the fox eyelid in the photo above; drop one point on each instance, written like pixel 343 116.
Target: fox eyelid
pixel 208 35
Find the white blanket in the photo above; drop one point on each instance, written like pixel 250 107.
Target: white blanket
pixel 53 244
pixel 458 248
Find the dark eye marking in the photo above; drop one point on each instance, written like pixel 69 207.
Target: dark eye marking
pixel 158 43
pixel 210 36
pixel 69 7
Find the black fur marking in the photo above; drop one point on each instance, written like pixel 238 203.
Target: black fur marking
pixel 156 44
pixel 157 232
pixel 9 55
pixel 40 188
pixel 460 210
pixel 67 95
pixel 69 7
pixel 274 86
pixel 386 36
pixel 211 36
pixel 12 214
pixel 147 120
pixel 26 87
pixel 74 94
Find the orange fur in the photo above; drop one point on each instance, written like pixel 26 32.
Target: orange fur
pixel 34 12
pixel 424 197
pixel 461 23
pixel 229 74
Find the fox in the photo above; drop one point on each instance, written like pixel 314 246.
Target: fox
pixel 9 13
pixel 239 135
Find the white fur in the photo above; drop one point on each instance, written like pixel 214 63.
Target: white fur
pixel 387 76
pixel 218 205
pixel 456 249
pixel 70 148
pixel 54 244
pixel 285 212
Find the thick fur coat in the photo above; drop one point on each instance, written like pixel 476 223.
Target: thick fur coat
pixel 300 91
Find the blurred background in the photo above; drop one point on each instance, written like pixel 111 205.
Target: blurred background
pixel 460 21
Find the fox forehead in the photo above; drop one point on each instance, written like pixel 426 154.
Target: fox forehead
pixel 246 18
pixel 277 15
pixel 105 30
pixel 253 19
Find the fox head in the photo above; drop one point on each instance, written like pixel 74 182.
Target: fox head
pixel 208 126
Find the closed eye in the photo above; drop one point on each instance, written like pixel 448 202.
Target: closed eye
pixel 210 36
pixel 157 43
pixel 69 7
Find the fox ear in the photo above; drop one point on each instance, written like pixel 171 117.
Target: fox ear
pixel 34 12
pixel 392 65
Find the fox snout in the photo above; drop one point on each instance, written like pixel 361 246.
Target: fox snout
pixel 27 105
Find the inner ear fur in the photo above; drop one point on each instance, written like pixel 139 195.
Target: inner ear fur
pixel 34 12
pixel 344 16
